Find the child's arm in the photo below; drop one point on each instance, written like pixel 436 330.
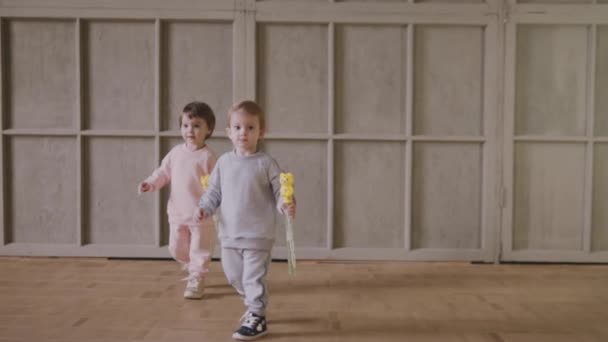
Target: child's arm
pixel 274 175
pixel 212 198
pixel 159 178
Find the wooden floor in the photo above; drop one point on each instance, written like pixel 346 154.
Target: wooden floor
pixel 103 300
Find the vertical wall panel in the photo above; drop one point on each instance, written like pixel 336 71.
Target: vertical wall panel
pixel 370 74
pixel 446 197
pixel 450 1
pixel 41 74
pixel 548 196
pixel 344 111
pixel 550 85
pixel 166 146
pixel 599 236
pixel 120 75
pixel 115 213
pixel 555 2
pixel 292 77
pixel 307 160
pixel 197 67
pixel 448 64
pixel 41 173
pixel 4 236
pixel 601 79
pixel 369 194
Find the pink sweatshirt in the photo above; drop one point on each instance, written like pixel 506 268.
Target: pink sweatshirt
pixel 184 169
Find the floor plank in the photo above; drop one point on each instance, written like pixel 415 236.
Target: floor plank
pixel 99 300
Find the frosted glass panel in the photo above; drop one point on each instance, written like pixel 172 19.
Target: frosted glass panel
pixel 292 77
pixel 599 237
pixel 192 71
pixel 601 79
pixel 120 75
pixel 446 198
pixel 41 73
pixel 369 194
pixel 448 81
pixel 115 213
pixel 42 197
pixel 551 80
pixel 548 198
pixel 370 78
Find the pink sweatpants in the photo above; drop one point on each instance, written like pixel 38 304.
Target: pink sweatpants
pixel 192 246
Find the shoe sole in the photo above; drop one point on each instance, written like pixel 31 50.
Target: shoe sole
pixel 240 337
pixel 192 296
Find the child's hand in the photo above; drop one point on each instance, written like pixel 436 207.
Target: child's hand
pixel 199 215
pixel 289 209
pixel 144 187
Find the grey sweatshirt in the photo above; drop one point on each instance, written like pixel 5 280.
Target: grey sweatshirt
pixel 247 191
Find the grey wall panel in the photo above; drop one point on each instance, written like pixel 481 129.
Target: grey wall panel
pixel 307 160
pixel 601 79
pixel 555 1
pixel 166 146
pixel 369 194
pixel 197 66
pixel 450 1
pixel 41 73
pixel 370 78
pixel 115 214
pixel 337 83
pixel 448 67
pixel 119 74
pixel 548 196
pixel 551 81
pixel 446 195
pixel 599 240
pixel 292 77
pixel 42 189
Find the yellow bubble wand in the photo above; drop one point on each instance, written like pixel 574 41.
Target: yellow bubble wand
pixel 287 190
pixel 205 183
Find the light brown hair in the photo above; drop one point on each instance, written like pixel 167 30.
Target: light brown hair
pixel 251 108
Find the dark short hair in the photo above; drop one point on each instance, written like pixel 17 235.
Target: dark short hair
pixel 200 110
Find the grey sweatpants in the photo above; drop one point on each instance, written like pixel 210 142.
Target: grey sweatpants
pixel 246 271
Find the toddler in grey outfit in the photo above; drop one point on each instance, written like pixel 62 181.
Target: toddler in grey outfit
pixel 245 186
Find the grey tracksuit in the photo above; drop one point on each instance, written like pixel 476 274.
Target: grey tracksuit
pixel 247 190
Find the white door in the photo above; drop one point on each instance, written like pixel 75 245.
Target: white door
pixel 556 130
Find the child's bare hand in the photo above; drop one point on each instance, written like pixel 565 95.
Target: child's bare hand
pixel 289 209
pixel 144 187
pixel 199 215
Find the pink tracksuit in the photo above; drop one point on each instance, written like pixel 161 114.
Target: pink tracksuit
pixel 190 243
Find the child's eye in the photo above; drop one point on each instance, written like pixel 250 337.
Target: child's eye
pixel 196 126
pixel 250 128
pixel 237 127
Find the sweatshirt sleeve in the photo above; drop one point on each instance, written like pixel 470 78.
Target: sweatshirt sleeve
pixel 210 163
pixel 274 176
pixel 212 198
pixel 161 176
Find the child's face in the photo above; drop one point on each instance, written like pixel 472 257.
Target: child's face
pixel 194 130
pixel 244 132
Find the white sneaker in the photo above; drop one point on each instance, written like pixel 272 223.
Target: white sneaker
pixel 194 288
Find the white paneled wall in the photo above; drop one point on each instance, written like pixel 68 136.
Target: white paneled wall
pixel 417 130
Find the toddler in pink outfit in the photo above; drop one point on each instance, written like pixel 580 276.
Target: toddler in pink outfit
pixel 190 242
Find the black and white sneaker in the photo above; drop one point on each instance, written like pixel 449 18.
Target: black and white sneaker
pixel 254 327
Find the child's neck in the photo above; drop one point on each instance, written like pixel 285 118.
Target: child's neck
pixel 244 153
pixel 194 147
